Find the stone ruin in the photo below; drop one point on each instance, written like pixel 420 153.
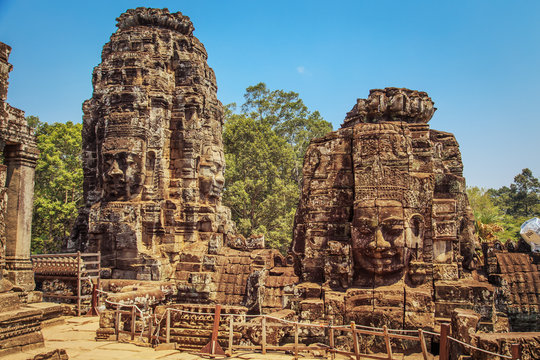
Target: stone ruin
pixel 21 313
pixel 384 234
pixel 153 171
pixel 384 231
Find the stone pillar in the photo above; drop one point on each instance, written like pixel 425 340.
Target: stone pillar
pixel 20 189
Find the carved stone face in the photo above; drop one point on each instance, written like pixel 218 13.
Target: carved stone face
pixel 211 179
pixel 378 237
pixel 123 168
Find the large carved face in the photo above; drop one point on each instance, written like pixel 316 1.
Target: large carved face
pixel 123 167
pixel 211 179
pixel 378 237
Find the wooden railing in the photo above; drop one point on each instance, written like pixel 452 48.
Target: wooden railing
pixel 152 325
pixel 76 267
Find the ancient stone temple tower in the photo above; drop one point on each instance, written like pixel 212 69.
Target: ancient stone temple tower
pixel 384 217
pixel 383 197
pixel 20 325
pixel 152 148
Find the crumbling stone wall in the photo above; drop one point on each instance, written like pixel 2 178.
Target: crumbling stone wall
pixel 516 277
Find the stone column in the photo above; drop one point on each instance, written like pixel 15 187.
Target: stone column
pixel 20 189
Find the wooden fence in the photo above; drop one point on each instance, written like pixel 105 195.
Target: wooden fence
pixel 212 348
pixel 75 267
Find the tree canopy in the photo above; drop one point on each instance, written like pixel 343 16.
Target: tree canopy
pixel 265 145
pixel 499 213
pixel 58 183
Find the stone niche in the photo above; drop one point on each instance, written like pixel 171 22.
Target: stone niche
pixel 153 171
pixel 384 225
pixel 20 325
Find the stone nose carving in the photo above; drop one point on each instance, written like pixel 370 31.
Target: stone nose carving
pixel 115 171
pixel 379 242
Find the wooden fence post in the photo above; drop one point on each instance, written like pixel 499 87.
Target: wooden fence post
pixel 423 343
pixel 443 345
pixel 78 283
pixel 515 350
pixel 296 340
pixel 355 341
pixel 331 342
pixel 150 330
pixel 133 323
pixel 231 335
pixel 213 347
pixel 168 327
pixel 387 342
pixel 263 340
pixel 117 323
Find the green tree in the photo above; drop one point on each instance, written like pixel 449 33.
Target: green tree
pixel 288 116
pixel 522 198
pixel 264 148
pixel 489 218
pixel 58 183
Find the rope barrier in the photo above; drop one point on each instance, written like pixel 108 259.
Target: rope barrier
pixel 476 348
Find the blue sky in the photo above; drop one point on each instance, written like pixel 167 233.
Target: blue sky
pixel 478 60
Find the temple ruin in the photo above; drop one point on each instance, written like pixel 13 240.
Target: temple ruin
pixel 20 326
pixel 383 234
pixel 153 169
pixel 152 148
pixel 384 224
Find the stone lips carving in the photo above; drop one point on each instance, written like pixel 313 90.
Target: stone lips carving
pixel 152 148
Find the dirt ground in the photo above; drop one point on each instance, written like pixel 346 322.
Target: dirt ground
pixel 77 336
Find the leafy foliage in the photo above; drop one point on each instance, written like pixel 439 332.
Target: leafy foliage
pixel 58 183
pixel 488 217
pixel 499 213
pixel 522 198
pixel 288 117
pixel 264 149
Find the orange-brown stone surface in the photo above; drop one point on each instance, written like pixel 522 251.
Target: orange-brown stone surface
pixel 383 198
pixel 384 225
pixel 153 172
pixel 20 326
pixel 152 148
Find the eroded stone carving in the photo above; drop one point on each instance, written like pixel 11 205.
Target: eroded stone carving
pixel 384 194
pixel 152 148
pixel 384 216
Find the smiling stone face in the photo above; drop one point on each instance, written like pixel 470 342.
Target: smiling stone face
pixel 211 179
pixel 123 173
pixel 378 237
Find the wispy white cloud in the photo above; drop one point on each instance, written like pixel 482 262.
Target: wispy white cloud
pixel 301 70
